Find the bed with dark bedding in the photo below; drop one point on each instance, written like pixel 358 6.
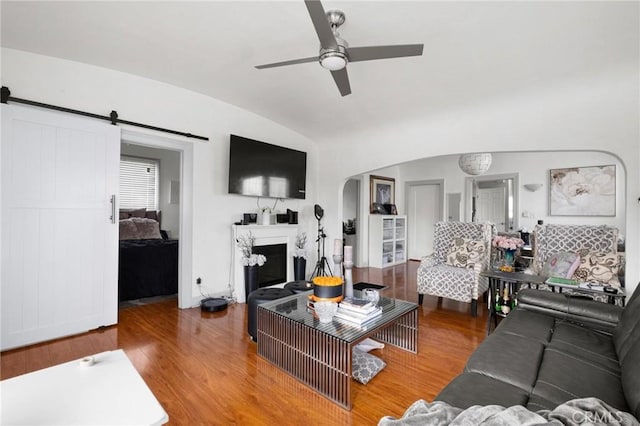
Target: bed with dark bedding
pixel 148 263
pixel 147 268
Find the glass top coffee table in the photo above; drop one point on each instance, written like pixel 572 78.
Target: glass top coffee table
pixel 292 338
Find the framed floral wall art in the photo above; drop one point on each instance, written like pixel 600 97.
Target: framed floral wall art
pixel 383 193
pixel 583 191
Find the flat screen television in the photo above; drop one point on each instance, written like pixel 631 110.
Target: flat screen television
pixel 264 170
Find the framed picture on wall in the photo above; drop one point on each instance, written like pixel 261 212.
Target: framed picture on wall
pixel 583 191
pixel 383 191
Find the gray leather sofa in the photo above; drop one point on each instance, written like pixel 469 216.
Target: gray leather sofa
pixel 554 348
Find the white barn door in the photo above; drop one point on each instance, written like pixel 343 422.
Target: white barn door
pixel 59 245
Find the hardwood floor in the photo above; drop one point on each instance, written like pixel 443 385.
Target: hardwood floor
pixel 203 368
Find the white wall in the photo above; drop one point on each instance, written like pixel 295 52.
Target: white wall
pixel 100 90
pixel 169 165
pixel 595 113
pixel 531 167
pixel 591 113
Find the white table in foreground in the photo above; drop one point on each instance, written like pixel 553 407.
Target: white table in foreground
pixel 109 392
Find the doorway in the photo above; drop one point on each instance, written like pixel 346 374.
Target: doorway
pixel 149 186
pixel 424 206
pixel 350 216
pixel 493 198
pixel 183 190
pixel 454 202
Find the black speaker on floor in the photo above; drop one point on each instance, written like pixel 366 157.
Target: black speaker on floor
pixel 213 304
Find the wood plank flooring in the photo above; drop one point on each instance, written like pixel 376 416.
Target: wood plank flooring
pixel 203 368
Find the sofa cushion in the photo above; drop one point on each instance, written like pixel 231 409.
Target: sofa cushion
pixel 580 307
pixel 584 343
pixel 631 378
pixel 453 283
pixel 470 389
pixel 562 306
pixel 496 358
pixel 563 377
pixel 536 402
pixel 629 321
pixel 531 325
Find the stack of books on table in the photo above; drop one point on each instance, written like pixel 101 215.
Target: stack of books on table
pixel 357 311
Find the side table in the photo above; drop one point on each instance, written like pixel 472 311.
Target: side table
pixel 512 279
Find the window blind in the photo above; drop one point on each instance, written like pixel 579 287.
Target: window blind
pixel 138 183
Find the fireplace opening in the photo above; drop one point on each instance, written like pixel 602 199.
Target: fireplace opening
pixel 274 270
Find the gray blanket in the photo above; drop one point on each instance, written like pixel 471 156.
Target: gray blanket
pixel 585 411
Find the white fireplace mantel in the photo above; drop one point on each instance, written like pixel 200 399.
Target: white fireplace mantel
pixel 264 235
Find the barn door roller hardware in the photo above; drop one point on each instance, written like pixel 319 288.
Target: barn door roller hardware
pixel 5 97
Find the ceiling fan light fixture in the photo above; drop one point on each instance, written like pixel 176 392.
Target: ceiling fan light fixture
pixel 333 48
pixel 333 61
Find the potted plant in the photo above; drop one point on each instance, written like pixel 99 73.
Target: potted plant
pixel 300 257
pixel 250 261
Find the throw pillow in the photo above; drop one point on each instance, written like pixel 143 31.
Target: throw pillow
pixel 138 212
pixel 597 266
pixel 128 230
pixel 147 228
pixel 128 213
pixel 153 214
pixel 365 366
pixel 466 252
pixel 561 265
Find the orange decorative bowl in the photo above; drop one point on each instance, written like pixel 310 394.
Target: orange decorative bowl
pixel 328 289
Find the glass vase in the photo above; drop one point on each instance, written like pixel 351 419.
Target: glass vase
pixel 508 260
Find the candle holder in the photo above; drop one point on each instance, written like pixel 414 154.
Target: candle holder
pixel 337 261
pixel 348 279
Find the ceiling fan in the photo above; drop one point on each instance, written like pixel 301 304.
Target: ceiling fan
pixel 335 53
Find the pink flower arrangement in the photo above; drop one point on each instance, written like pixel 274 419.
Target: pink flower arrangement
pixel 510 243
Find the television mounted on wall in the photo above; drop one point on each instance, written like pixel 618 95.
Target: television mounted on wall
pixel 264 170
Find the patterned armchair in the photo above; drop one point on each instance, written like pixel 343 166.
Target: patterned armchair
pixel 596 245
pixel 438 277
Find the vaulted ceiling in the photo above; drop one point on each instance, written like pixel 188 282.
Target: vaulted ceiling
pixel 473 51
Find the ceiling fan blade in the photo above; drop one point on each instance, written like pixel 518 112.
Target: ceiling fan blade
pixel 292 62
pixel 370 53
pixel 342 81
pixel 320 22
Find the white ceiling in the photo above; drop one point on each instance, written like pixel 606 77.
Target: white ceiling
pixel 473 51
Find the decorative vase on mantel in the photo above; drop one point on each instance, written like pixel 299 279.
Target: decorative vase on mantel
pixel 250 279
pixel 266 217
